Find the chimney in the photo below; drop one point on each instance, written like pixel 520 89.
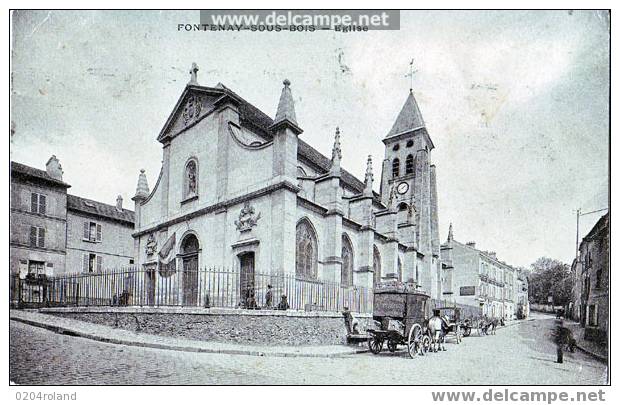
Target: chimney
pixel 493 255
pixel 471 244
pixel 119 203
pixel 53 168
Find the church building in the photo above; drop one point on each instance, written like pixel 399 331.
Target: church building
pixel 242 191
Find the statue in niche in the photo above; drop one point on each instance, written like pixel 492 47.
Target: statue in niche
pixel 191 178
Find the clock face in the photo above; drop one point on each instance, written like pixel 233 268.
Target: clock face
pixel 402 188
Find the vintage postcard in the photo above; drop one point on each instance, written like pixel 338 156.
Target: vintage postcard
pixel 311 197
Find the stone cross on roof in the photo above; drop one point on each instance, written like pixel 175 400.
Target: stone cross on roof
pixel 193 72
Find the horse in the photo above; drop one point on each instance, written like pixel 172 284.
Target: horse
pixel 438 329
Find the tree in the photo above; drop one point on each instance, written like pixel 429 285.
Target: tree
pixel 550 277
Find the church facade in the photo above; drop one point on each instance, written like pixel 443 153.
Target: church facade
pixel 242 191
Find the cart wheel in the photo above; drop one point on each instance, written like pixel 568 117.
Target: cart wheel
pixel 466 332
pixel 375 345
pixel 414 343
pixel 392 345
pixel 426 343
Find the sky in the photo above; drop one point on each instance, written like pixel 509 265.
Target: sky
pixel 516 103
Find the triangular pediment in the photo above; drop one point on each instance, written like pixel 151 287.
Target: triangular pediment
pixel 195 103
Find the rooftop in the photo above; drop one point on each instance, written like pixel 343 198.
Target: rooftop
pixel 21 170
pixel 254 119
pixel 96 208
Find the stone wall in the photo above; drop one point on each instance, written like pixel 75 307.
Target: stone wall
pixel 231 326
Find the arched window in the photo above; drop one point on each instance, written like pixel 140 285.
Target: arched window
pixel 376 264
pixel 347 261
pixel 306 251
pixel 403 213
pixel 190 179
pixel 396 167
pixel 400 269
pixel 409 164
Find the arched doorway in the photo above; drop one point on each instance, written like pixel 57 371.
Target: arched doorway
pixel 246 280
pixel 189 255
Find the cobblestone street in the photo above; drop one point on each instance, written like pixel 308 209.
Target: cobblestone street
pixel 518 354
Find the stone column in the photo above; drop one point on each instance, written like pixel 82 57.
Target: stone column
pixel 227 112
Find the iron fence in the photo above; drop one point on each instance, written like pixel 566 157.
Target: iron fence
pixel 207 287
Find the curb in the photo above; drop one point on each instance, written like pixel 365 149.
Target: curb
pixel 70 332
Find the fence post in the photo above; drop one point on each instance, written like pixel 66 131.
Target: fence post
pixel 77 293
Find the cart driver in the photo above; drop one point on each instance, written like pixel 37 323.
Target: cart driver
pixel 435 326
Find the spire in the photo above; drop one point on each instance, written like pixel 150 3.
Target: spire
pixel 450 234
pixel 410 117
pixel 368 178
pixel 193 74
pixel 286 110
pixel 286 106
pixel 336 154
pixel 142 190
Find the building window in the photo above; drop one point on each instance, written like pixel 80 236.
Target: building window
pixel 36 268
pixel 396 167
pixel 409 164
pixel 37 236
pixel 593 315
pixel 92 263
pixel 306 251
pixel 599 278
pixel 409 143
pixel 38 203
pixel 92 232
pixel 399 268
pixel 346 278
pixel 376 264
pixel 190 180
pixel 396 147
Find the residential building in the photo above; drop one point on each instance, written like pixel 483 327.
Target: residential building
pixel 54 233
pixel 38 219
pixel 594 281
pixel 477 278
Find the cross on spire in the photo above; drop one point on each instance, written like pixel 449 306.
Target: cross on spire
pixel 412 71
pixel 193 74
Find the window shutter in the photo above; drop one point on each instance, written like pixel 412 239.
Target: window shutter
pixel 99 263
pixel 34 202
pixel 98 232
pixel 85 236
pixel 85 263
pixel 42 204
pixel 33 236
pixel 41 237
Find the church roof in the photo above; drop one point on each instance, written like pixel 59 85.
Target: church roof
pixel 409 118
pixel 98 209
pixel 253 118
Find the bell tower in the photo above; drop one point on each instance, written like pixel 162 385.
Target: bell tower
pixel 408 188
pixel 407 153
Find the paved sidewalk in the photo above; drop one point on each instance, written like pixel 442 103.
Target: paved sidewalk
pixel 589 347
pixel 109 334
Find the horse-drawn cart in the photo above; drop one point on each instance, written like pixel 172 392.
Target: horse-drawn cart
pixel 455 326
pixel 399 318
